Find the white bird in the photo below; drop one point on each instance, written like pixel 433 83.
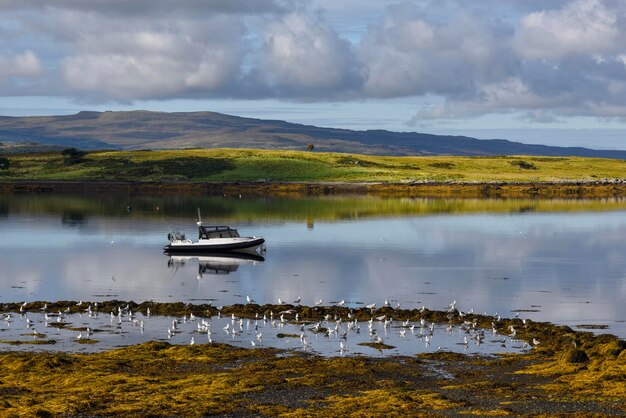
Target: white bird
pixel 318 303
pixel 249 299
pixel 280 301
pixel 80 335
pixel 226 327
pixel 341 302
pixel 536 342
pixel 252 343
pixel 192 341
pixel 371 306
pixel 386 302
pixel 342 346
pixel 452 306
pixel 403 333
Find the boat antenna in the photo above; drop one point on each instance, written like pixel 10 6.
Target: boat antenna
pixel 199 223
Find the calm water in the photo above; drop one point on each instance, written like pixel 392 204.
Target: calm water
pixel 556 261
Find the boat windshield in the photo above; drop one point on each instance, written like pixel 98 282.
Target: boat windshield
pixel 208 232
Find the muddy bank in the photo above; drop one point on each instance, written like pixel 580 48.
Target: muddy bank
pixel 567 373
pixel 578 189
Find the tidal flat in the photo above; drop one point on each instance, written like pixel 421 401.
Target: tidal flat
pixel 565 373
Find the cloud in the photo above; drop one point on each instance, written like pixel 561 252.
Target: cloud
pixel 153 61
pixel 408 55
pixel 580 27
pixel 25 64
pixel 152 8
pixel 304 55
pixel 543 60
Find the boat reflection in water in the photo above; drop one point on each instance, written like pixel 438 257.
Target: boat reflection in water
pixel 215 263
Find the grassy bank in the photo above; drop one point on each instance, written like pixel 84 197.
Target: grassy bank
pixel 228 165
pixel 159 379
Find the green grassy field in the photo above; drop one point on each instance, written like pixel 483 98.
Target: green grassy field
pixel 224 165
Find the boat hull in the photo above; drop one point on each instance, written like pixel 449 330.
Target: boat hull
pixel 214 247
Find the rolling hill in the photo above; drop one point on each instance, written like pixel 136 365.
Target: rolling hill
pixel 136 130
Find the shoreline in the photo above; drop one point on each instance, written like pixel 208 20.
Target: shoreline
pixel 158 378
pixel 558 189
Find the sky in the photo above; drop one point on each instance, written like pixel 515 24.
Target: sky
pixel 550 71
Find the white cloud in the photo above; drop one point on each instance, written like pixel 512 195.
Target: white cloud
pixel 154 61
pixel 543 59
pixel 580 27
pixel 407 55
pixel 305 55
pixel 25 64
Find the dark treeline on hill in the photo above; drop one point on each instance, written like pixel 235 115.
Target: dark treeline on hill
pixel 160 130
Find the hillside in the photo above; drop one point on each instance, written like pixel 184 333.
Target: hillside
pixel 160 130
pixel 231 165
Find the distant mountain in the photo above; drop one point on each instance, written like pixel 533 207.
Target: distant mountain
pixel 160 130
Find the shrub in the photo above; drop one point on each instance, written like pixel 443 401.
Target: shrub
pixel 442 165
pixel 524 165
pixel 4 163
pixel 310 147
pixel 73 155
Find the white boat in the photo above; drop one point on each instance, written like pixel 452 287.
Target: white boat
pixel 211 239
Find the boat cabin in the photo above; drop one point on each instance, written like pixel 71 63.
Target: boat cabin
pixel 208 232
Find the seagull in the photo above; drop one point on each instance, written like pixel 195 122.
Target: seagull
pixel 341 302
pixel 80 335
pixel 297 301
pixel 280 301
pixel 536 342
pixel 452 306
pixel 318 303
pixel 250 300
pixel 192 341
pixel 386 302
pixel 371 306
pixel 252 343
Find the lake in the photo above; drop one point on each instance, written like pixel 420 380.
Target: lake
pixel 561 261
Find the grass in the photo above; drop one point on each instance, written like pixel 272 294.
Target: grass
pixel 228 165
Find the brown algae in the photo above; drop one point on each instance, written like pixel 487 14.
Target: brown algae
pixel 567 373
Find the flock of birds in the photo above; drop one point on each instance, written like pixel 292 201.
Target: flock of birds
pixel 282 329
